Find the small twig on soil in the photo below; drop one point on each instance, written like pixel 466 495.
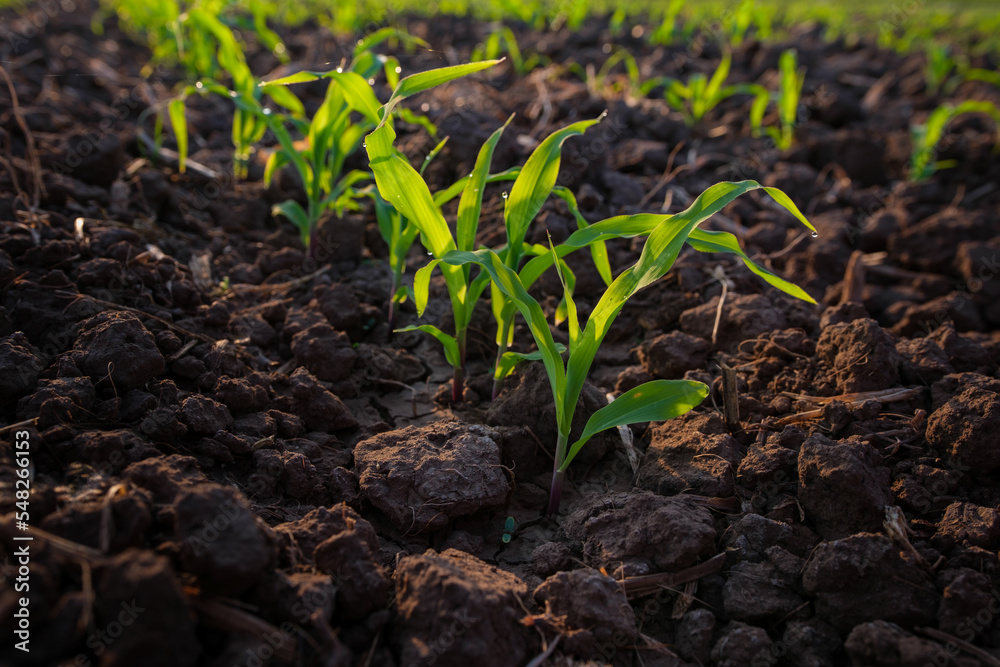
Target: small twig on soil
pixel 854 279
pixel 173 158
pixel 231 619
pixel 34 164
pixel 669 173
pixel 977 652
pixel 651 583
pixel 882 395
pixel 26 422
pixel 720 274
pixel 140 313
pixel 730 400
pixel 543 656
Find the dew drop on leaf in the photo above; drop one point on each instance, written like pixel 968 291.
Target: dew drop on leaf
pixel 340 70
pixel 398 69
pixel 371 82
pixel 815 234
pixel 505 195
pixel 199 85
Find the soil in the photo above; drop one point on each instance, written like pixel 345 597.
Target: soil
pixel 256 472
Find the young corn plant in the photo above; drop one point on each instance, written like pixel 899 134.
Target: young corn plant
pixel 535 183
pixel 402 186
pixel 597 82
pixel 925 137
pixel 701 94
pixel 248 120
pixel 399 235
pixel 420 212
pixel 789 93
pixel 667 234
pixel 350 109
pixel 502 41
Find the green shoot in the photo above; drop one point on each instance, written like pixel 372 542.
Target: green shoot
pixel 701 94
pixel 535 183
pixel 218 45
pixel 501 41
pixel 925 137
pixel 941 64
pixel 597 83
pixel 789 93
pixel 399 235
pixel 402 186
pixel 349 110
pixel 667 234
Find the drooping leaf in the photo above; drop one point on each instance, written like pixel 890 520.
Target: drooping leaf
pixel 449 343
pixel 658 400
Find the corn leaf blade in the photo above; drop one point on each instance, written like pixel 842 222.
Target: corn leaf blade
pixel 449 343
pixel 658 400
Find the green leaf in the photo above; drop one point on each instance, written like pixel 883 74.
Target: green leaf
pixel 507 282
pixel 422 286
pixel 711 241
pixel 401 185
pixel 534 184
pixel 510 360
pixel 357 93
pixel 658 400
pixel 471 203
pixel 416 83
pixel 433 154
pixel 382 34
pixel 449 343
pixel 287 99
pixel 571 316
pixel 179 122
pixel 292 210
pixel 298 77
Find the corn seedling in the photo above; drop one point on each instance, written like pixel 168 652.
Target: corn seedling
pixel 399 235
pixel 667 32
pixel 667 234
pixel 350 109
pixel 249 123
pixel 941 65
pixel 701 94
pixel 402 186
pixel 176 35
pixel 500 42
pixel 925 137
pixel 789 93
pixel 535 183
pixel 597 83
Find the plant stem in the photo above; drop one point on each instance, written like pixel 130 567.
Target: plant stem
pixel 555 493
pixel 458 379
pixel 503 330
pixel 392 302
pixel 498 382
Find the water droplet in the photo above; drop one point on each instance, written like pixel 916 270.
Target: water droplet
pixel 505 195
pixel 340 70
pixel 371 82
pixel 232 93
pixel 199 85
pixel 398 69
pixel 364 144
pixel 815 234
pixel 360 42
